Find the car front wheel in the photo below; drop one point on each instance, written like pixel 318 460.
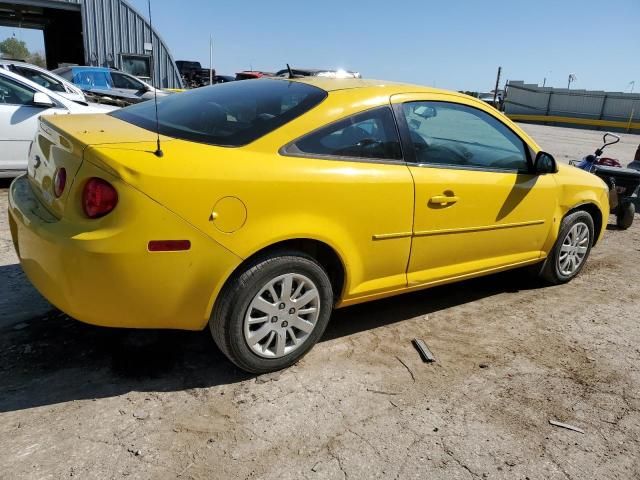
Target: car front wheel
pixel 571 250
pixel 270 315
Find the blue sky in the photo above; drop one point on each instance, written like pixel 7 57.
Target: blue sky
pixel 455 44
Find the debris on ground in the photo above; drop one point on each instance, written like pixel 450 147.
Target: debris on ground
pixel 566 425
pixel 424 351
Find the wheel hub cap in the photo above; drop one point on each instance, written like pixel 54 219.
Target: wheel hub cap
pixel 281 315
pixel 574 249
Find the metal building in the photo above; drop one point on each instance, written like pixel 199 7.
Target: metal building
pixel 608 110
pixel 109 33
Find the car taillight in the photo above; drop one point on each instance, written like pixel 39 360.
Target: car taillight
pixel 98 198
pixel 59 182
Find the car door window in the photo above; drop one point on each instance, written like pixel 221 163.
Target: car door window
pixel 40 78
pixel 13 93
pixel 123 81
pixel 451 134
pixel 371 134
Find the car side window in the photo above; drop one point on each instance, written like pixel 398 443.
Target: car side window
pixel 371 134
pixel 122 81
pixel 40 78
pixel 13 93
pixel 89 79
pixel 451 134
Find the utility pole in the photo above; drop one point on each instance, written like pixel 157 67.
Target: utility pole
pixel 210 59
pixel 495 90
pixel 572 78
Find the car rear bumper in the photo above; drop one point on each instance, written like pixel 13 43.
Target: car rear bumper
pixel 108 277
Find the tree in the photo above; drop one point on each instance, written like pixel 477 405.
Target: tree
pixel 37 58
pixel 14 48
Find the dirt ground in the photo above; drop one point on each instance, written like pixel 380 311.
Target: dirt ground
pixel 90 403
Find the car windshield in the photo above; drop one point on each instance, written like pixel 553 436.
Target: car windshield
pixel 228 114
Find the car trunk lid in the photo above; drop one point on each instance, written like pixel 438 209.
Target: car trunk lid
pixel 60 142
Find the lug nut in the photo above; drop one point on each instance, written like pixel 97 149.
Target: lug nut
pixel 274 319
pixel 285 324
pixel 281 306
pixel 292 311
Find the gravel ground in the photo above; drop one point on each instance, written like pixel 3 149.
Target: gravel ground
pixel 91 403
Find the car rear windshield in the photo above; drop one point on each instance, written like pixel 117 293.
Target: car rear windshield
pixel 228 114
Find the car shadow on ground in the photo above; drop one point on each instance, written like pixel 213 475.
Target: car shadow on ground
pixel 54 359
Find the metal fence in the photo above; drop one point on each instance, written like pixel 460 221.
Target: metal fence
pixel 611 110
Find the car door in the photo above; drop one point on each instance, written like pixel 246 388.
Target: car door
pixel 18 122
pixel 478 207
pixel 358 160
pixel 127 84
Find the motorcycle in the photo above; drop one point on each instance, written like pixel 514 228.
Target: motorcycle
pixel 622 182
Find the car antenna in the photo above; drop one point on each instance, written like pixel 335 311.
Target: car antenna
pixel 158 153
pixel 290 71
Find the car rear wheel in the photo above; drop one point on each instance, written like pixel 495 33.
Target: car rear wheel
pixel 270 315
pixel 624 214
pixel 571 250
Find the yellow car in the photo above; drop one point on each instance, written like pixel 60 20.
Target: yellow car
pixel 264 204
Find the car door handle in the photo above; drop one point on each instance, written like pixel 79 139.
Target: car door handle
pixel 443 199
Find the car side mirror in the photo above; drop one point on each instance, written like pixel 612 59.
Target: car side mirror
pixel 42 100
pixel 544 163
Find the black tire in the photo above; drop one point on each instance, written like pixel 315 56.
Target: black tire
pixel 625 213
pixel 551 271
pixel 227 319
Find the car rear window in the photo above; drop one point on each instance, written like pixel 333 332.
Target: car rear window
pixel 228 114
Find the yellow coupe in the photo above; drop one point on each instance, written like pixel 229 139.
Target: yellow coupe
pixel 264 204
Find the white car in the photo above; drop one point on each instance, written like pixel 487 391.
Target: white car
pixel 21 104
pixel 45 78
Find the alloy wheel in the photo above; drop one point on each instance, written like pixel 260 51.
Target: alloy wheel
pixel 282 315
pixel 574 249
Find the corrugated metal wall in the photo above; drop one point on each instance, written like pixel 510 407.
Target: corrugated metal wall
pixel 530 99
pixel 112 27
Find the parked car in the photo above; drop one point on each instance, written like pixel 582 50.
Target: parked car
pixel 192 73
pixel 318 72
pixel 45 78
pixel 223 78
pixel 270 202
pixel 103 81
pixel 251 74
pixel 22 102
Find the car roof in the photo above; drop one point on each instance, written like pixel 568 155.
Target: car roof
pixel 95 69
pixel 6 61
pixel 313 71
pixel 390 88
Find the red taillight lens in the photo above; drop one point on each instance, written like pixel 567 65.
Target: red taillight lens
pixel 59 182
pixel 98 198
